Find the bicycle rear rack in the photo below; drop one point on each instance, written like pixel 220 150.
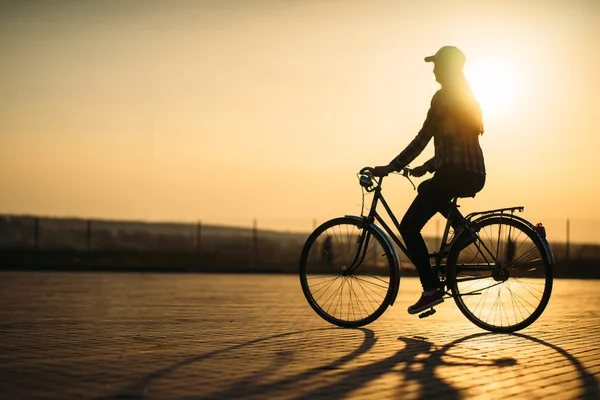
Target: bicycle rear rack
pixel 498 210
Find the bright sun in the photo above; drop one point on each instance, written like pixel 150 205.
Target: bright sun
pixel 493 84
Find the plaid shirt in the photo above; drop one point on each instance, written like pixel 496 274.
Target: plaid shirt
pixel 454 146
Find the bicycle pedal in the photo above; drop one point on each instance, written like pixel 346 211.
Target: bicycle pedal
pixel 427 313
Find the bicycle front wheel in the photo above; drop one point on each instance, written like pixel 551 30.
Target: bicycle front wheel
pixel 347 272
pixel 502 282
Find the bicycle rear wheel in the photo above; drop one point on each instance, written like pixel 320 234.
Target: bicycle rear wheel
pixel 502 282
pixel 347 272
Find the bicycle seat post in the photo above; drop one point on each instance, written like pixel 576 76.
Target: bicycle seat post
pixel 443 240
pixel 453 211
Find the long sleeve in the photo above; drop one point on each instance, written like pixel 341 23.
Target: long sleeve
pixel 418 144
pixel 430 164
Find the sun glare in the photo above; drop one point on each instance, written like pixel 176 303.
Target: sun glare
pixel 493 84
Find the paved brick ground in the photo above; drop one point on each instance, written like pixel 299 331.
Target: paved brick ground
pixel 131 336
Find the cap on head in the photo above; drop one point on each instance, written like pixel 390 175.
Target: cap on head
pixel 448 56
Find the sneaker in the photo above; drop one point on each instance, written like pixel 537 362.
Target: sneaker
pixel 426 301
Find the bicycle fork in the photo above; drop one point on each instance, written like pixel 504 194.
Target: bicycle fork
pixel 363 244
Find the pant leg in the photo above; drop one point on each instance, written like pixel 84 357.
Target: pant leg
pixel 444 209
pixel 455 183
pixel 434 195
pixel 430 200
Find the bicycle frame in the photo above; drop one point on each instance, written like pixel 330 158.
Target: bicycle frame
pixel 363 240
pixel 373 216
pixel 483 247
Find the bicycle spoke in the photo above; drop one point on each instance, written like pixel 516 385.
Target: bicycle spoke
pixel 328 278
pixel 529 252
pixel 482 301
pixel 368 297
pixel 473 282
pixel 338 303
pixel 525 301
pixel 512 290
pixel 472 278
pixel 351 290
pixel 505 314
pixel 330 296
pixel 371 283
pixel 378 278
pixel 347 273
pixel 527 286
pixel 515 305
pixel 371 294
pixel 325 288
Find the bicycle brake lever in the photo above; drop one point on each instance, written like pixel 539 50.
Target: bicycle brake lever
pixel 406 173
pixel 411 182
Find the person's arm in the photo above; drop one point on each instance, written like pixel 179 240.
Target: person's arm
pixel 418 144
pixel 430 165
pixel 421 170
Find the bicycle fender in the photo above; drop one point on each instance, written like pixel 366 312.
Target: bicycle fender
pixel 383 234
pixel 547 249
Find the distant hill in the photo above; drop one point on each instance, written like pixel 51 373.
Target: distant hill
pixel 68 243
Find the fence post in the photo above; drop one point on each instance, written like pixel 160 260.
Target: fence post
pixel 36 233
pixel 198 235
pixel 568 250
pixel 88 244
pixel 254 241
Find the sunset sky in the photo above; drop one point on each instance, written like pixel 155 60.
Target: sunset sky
pixel 226 111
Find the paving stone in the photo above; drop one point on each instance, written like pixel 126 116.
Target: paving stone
pixel 211 336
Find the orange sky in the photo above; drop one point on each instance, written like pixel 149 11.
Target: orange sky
pixel 229 111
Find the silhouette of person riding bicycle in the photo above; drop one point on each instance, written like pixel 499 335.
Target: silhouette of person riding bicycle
pixel 454 121
pixel 497 266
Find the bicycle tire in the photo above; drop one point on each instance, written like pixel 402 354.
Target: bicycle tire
pixel 324 273
pixel 507 252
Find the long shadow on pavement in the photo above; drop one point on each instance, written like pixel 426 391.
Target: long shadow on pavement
pixel 416 363
pixel 136 390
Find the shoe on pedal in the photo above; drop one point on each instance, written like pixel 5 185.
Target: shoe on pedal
pixel 426 301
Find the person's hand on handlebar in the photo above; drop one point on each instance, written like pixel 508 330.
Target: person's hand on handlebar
pixel 418 171
pixel 383 170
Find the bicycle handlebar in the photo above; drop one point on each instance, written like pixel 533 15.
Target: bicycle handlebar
pixel 367 179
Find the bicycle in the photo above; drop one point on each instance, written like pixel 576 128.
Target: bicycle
pixel 498 269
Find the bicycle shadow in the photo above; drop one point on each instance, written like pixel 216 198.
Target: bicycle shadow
pixel 413 368
pixel 587 379
pixel 249 384
pixel 421 361
pixel 418 372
